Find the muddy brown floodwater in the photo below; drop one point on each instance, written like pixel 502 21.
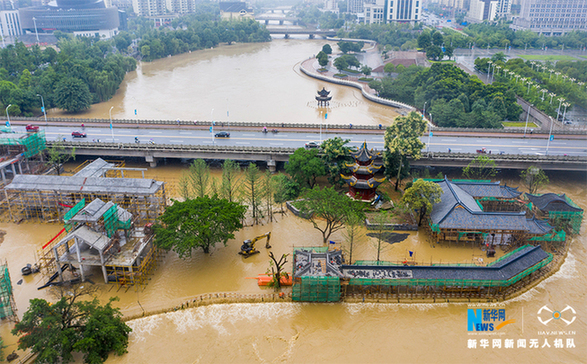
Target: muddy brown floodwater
pixel 241 82
pixel 318 333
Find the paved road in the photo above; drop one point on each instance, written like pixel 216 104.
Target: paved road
pixel 469 144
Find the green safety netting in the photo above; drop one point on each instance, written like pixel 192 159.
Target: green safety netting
pixel 113 223
pixel 72 212
pixel 316 289
pixel 472 180
pixel 34 143
pixel 472 232
pixel 554 236
pixel 315 249
pixel 6 299
pixel 434 227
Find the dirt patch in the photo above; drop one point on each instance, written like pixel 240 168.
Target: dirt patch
pixel 390 237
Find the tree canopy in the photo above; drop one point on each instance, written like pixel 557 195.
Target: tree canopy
pixel 198 223
pixel 481 167
pixel 422 196
pixel 534 179
pixel 55 331
pixel 305 166
pixel 402 138
pixel 328 210
pixel 335 154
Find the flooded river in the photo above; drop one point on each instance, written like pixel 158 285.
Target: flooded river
pixel 260 82
pixel 319 333
pixel 241 82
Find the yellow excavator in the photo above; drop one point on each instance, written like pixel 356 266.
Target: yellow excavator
pixel 248 247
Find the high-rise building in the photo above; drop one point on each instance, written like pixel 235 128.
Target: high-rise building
pixel 552 17
pixel 480 10
pixel 355 6
pixel 148 7
pixel 386 11
pixel 10 23
pixel 504 9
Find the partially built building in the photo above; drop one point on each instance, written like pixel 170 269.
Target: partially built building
pixel 17 151
pixel 48 198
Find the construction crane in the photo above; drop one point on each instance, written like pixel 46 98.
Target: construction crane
pixel 248 247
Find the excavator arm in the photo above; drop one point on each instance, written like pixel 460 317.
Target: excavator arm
pixel 248 247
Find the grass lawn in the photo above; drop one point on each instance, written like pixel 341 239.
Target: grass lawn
pixel 518 124
pixel 547 57
pixel 583 56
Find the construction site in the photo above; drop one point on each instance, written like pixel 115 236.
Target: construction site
pixel 107 222
pixel 21 153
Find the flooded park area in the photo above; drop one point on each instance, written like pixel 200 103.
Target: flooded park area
pixel 303 332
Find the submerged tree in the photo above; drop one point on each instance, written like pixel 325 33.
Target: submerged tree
pixel 230 180
pixel 534 179
pixel 305 166
pixel 335 154
pixel 286 189
pixel 55 331
pixel 481 167
pixel 252 191
pixel 326 206
pixel 277 272
pixel 57 156
pixel 199 223
pixel 403 138
pixel 422 196
pixel 199 177
pixel 353 233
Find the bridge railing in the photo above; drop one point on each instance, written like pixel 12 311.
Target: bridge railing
pixel 289 151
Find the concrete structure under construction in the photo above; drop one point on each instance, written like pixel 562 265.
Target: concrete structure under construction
pixel 48 197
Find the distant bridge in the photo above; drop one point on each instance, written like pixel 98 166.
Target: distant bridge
pixel 279 19
pixel 311 33
pixel 154 152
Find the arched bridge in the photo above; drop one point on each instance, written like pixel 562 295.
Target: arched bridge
pixel 311 33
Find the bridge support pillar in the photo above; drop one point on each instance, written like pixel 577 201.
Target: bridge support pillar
pixel 151 160
pixel 281 22
pixel 272 165
pixel 266 22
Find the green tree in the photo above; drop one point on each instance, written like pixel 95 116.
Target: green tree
pixel 481 168
pixel 422 196
pixel 335 154
pixel 199 177
pixel 328 208
pixel 253 191
pixel 424 40
pixel 55 331
pixel 326 48
pixel 403 138
pixel 389 67
pixel 73 95
pixel 277 267
pixel 366 70
pixel 231 180
pixel 534 179
pixel 286 189
pixel 437 39
pixel 380 220
pixel 434 53
pixel 353 233
pixel 199 223
pixel 57 156
pixel 341 64
pixel 322 58
pixel 305 166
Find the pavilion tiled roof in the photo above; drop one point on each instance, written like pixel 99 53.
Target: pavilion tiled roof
pixel 459 210
pixel 365 155
pixel 488 189
pixel 552 202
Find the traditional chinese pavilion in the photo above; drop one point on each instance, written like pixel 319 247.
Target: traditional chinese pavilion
pixel 362 183
pixel 323 97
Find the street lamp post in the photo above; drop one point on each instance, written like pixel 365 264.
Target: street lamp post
pixel 8 116
pixel 565 113
pixel 527 116
pixel 560 101
pixel 424 110
pixel 36 32
pixel 111 128
pixel 44 111
pixel 549 135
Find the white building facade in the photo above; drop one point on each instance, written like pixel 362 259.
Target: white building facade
pixel 385 11
pixel 10 23
pixel 552 17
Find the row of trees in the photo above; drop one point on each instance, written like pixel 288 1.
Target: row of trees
pixel 80 74
pixel 453 97
pixel 199 31
pixel 542 85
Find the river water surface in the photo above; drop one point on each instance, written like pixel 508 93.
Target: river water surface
pixel 241 82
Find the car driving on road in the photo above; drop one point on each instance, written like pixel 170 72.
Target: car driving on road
pixel 222 134
pixel 78 134
pixel 32 128
pixel 313 144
